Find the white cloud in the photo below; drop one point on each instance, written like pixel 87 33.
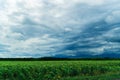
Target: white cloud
pixel 43 27
pixel 113 18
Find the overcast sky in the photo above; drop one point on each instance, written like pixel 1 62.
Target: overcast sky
pixel 38 28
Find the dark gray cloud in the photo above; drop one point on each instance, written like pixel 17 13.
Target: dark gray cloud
pixel 59 27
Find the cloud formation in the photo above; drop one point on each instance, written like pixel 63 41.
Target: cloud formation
pixel 37 28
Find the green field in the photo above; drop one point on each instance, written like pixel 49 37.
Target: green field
pixel 60 70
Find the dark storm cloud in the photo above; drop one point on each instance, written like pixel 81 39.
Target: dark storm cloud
pixel 59 27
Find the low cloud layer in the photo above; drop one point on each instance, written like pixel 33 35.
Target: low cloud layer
pixel 38 28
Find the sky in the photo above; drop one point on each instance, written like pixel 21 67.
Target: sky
pixel 39 28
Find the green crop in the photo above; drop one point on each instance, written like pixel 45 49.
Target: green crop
pixel 56 70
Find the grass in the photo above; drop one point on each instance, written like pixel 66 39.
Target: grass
pixel 108 76
pixel 60 70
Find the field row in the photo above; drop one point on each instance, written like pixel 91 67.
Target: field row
pixel 56 70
